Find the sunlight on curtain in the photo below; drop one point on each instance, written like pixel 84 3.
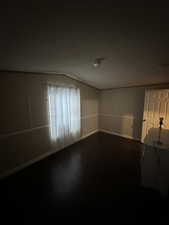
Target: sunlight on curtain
pixel 64 114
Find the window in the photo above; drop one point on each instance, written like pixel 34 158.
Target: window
pixel 64 113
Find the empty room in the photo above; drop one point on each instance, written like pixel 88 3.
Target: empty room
pixel 84 113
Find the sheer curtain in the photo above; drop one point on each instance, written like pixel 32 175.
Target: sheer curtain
pixel 64 114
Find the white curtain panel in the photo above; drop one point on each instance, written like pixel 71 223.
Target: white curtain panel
pixel 64 114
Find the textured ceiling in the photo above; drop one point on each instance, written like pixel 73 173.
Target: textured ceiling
pixel 134 43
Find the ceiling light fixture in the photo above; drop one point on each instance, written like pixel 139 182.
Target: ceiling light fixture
pixel 98 61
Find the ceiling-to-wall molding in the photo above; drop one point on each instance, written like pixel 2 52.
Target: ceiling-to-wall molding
pixel 73 77
pixel 155 85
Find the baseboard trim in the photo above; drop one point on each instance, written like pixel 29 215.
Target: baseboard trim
pixel 87 135
pixel 24 165
pixel 121 135
pixel 39 158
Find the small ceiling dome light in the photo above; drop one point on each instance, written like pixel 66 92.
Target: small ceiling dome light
pixel 97 62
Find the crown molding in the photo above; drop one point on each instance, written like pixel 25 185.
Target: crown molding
pixel 75 77
pixel 154 85
pixel 71 76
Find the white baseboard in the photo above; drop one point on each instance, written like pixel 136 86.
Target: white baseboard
pixel 30 162
pixel 121 135
pixel 24 165
pixel 87 135
pixel 18 168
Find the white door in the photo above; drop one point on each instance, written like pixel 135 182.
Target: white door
pixel 156 106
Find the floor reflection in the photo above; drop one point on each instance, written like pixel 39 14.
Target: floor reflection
pixel 155 169
pixel 99 176
pixel 66 176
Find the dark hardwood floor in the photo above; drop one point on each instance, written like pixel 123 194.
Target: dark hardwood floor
pixel 99 177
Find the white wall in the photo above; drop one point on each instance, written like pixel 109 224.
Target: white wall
pixel 121 111
pixel 24 131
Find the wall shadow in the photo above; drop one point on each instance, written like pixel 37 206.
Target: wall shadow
pixel 156 135
pixel 155 162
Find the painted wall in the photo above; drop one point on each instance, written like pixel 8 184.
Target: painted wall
pixel 121 111
pixel 24 131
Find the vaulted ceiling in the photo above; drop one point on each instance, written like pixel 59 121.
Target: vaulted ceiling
pixel 133 42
